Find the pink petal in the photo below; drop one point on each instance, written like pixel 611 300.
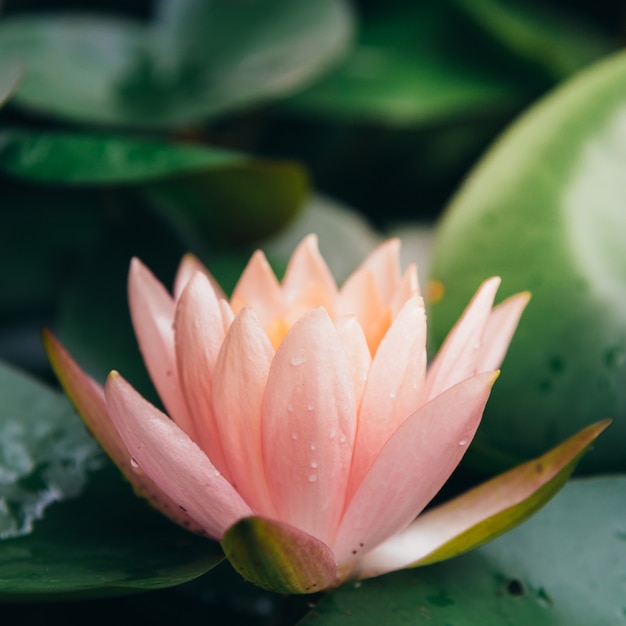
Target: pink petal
pixel 239 383
pixel 482 513
pixel 307 272
pixel 359 296
pixel 357 351
pixel 384 265
pixel 309 416
pixel 408 288
pixel 259 289
pixel 499 331
pixel 88 398
pixel 173 461
pixel 412 467
pixel 189 266
pixel 199 334
pixel 393 386
pixel 152 313
pixel 458 356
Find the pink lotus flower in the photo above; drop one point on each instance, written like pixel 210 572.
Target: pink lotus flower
pixel 305 430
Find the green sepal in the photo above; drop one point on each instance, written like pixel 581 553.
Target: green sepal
pixel 278 557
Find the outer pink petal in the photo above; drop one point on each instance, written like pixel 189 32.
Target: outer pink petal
pixel 384 265
pixel 393 387
pixel 239 383
pixel 259 289
pixel 482 513
pixel 88 398
pixel 499 331
pixel 152 313
pixel 189 266
pixel 307 269
pixel 199 336
pixel 458 356
pixel 357 351
pixel 173 461
pixel 412 467
pixel 309 417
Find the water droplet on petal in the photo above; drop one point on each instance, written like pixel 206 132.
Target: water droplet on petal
pixel 313 447
pixel 290 408
pixel 310 406
pixel 393 394
pixel 314 464
pixel 217 473
pixel 294 436
pixel 333 434
pixel 463 442
pixel 342 439
pixel 297 359
pixel 133 463
pixel 312 478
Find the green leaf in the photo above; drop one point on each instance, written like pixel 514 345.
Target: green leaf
pixel 564 567
pixel 196 60
pixel 237 205
pixel 545 211
pixel 218 195
pixel 83 546
pixel 553 41
pixel 97 159
pixel 45 454
pixel 10 76
pixel 410 67
pixel 279 557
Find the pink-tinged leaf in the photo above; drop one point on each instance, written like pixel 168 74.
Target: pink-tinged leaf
pixel 238 385
pixel 258 288
pixel 309 422
pixel 199 334
pixel 482 513
pixel 189 266
pixel 308 282
pixel 279 557
pixel 393 387
pixel 384 266
pixel 152 314
pixel 88 398
pixel 499 331
pixel 458 356
pixel 412 467
pixel 165 454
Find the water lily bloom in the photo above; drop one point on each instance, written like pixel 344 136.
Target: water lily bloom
pixel 303 427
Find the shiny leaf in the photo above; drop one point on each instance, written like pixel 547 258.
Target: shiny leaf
pixel 545 210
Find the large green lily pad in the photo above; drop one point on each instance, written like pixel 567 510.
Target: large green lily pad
pixel 95 538
pixel 546 210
